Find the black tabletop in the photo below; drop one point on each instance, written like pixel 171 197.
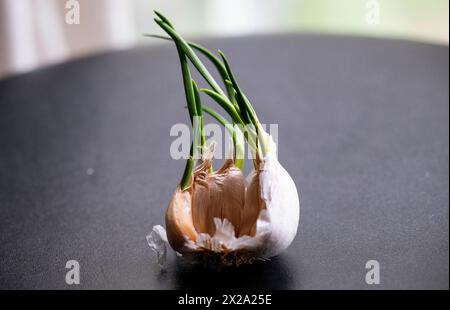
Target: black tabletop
pixel 85 170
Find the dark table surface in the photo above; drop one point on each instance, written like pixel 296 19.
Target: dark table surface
pixel 85 170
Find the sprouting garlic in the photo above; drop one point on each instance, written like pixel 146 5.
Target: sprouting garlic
pixel 213 215
pixel 216 214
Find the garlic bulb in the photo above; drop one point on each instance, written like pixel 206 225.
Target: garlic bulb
pixel 217 214
pixel 214 216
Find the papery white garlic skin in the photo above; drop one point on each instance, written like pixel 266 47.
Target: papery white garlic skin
pixel 279 193
pixel 157 240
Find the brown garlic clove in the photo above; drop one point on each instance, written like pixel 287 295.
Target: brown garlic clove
pixel 219 194
pixel 253 204
pixel 179 223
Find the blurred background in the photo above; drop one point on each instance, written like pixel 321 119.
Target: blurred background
pixel 35 33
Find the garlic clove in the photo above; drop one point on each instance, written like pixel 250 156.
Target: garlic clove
pixel 201 188
pixel 231 185
pixel 253 205
pixel 179 223
pixel 280 197
pixel 220 194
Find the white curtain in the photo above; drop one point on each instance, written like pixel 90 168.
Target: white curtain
pixel 34 33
